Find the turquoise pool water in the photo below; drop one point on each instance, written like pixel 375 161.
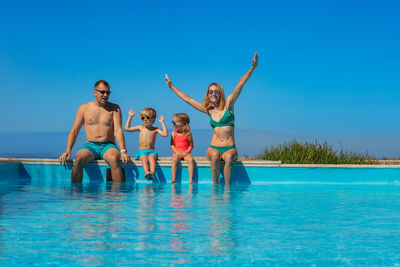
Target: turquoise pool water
pixel 46 221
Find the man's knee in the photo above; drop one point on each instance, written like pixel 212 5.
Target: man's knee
pixel 82 157
pixel 79 161
pixel 113 159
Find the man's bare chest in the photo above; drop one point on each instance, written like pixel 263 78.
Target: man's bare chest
pixel 95 117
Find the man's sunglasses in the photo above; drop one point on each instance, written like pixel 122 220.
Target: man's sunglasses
pixel 146 118
pixel 215 92
pixel 104 92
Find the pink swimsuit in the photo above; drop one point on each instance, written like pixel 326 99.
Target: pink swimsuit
pixel 181 142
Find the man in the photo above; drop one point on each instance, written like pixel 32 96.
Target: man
pixel 103 124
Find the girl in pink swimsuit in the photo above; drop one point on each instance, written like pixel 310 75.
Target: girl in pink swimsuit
pixel 181 144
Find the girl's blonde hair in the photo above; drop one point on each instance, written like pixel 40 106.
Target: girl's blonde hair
pixel 184 119
pixel 207 103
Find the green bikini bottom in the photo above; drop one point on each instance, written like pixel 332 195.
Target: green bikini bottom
pixel 222 149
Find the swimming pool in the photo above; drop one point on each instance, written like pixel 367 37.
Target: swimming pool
pixel 305 220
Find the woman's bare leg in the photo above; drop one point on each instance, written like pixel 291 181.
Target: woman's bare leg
pixel 229 157
pixel 214 157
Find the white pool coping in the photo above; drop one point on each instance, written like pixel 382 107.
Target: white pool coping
pixel 201 162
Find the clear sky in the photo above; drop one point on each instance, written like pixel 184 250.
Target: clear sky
pixel 325 67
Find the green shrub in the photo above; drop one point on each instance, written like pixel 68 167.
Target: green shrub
pixel 293 152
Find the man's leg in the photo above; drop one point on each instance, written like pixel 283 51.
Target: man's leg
pixel 83 156
pixel 112 157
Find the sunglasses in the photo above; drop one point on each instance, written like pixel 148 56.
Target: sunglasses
pixel 146 118
pixel 214 92
pixel 104 92
pixel 177 123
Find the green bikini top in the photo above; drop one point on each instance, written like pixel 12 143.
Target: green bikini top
pixel 226 120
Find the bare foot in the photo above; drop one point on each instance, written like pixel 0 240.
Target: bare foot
pixel 148 176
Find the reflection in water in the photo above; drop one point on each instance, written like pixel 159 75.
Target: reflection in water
pixel 222 223
pixel 8 186
pixel 97 227
pixel 179 220
pixel 147 223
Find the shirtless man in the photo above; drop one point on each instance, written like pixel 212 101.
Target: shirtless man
pixel 102 120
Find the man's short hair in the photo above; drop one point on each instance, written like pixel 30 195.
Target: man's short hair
pixel 103 82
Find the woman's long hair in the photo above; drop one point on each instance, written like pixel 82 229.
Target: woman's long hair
pixel 207 103
pixel 184 119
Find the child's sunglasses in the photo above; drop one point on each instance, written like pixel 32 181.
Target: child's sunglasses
pixel 214 92
pixel 177 123
pixel 146 118
pixel 104 92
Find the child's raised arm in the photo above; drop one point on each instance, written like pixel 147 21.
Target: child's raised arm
pixel 128 127
pixel 164 131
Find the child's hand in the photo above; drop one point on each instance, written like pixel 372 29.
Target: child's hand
pixel 168 81
pixel 161 119
pixel 131 112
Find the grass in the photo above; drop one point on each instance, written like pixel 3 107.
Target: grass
pixel 294 152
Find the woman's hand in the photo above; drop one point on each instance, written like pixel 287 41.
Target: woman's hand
pixel 168 81
pixel 255 61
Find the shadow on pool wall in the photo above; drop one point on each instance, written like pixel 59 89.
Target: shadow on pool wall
pixel 163 173
pixel 13 177
pixel 100 171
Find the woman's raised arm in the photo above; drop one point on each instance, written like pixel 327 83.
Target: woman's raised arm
pixel 238 89
pixel 185 97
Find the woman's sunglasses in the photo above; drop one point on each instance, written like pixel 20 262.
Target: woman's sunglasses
pixel 214 92
pixel 146 118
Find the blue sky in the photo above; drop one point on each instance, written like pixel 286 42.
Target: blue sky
pixel 326 68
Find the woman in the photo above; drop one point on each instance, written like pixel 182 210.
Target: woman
pixel 222 120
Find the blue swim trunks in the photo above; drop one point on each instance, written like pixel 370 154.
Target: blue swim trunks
pixel 146 152
pixel 99 148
